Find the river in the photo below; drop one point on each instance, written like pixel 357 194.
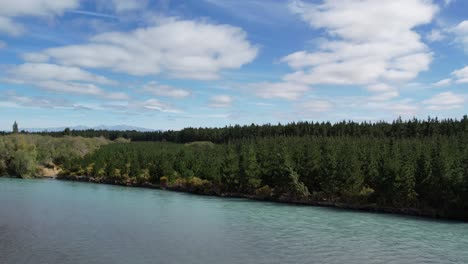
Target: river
pixel 51 221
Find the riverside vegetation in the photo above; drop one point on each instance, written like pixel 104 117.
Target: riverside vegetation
pixel 414 167
pixel 24 155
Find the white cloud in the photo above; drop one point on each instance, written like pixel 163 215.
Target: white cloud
pixel 406 108
pixel 445 101
pixel 221 101
pixel 8 26
pixel 11 99
pixel 282 90
pixel 444 82
pixel 129 5
pixel 178 48
pixel 458 76
pixel 382 92
pixel 266 12
pixel 62 79
pixel 435 36
pixel 156 105
pixel 315 106
pixel 10 9
pixel 461 28
pixel 165 90
pixel 35 57
pixel 448 2
pixel 372 41
pixel 80 89
pixel 36 72
pixel 35 7
pixel 138 106
pixel 2 44
pixel 461 75
pixel 461 33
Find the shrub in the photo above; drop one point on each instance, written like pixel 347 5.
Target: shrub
pixel 24 163
pixel 297 188
pixel 143 176
pixel 122 140
pixel 163 181
pixel 264 192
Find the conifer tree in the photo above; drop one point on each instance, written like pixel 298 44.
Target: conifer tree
pixel 230 170
pixel 15 128
pixel 249 172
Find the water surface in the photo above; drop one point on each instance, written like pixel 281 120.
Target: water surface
pixel 49 221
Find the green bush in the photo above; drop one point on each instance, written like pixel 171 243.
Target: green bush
pixel 264 192
pixel 163 181
pixel 24 163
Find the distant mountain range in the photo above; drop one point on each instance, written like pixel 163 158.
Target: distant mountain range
pixel 100 127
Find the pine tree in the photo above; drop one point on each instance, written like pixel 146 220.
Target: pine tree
pixel 438 170
pixel 308 167
pixel 249 172
pixel 230 170
pixel 404 185
pixel 15 128
pixel 328 170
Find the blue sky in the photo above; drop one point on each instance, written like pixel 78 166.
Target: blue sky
pixel 169 64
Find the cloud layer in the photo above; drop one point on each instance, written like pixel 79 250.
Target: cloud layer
pixel 372 41
pixel 42 8
pixel 177 48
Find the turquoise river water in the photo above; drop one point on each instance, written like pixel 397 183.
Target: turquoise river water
pixel 51 221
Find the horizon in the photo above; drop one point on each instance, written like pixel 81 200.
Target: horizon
pixel 168 65
pixel 102 127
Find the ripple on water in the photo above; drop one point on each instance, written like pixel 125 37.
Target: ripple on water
pixel 63 222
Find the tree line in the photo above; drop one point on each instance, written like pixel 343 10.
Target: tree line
pixel 428 174
pixel 413 128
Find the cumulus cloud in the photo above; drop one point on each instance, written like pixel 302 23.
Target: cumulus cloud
pixel 405 108
pixel 165 90
pixel 156 105
pixel 129 5
pixel 444 82
pixel 11 9
pixel 81 89
pixel 448 2
pixel 267 12
pixel 62 79
pixel 220 101
pixel 315 106
pixel 457 76
pixel 461 75
pixel 119 6
pixel 15 100
pixel 461 33
pixel 8 26
pixel 35 7
pixel 136 106
pixel 178 48
pixel 445 101
pixel 282 90
pixel 382 92
pixel 35 57
pixel 36 72
pixel 435 36
pixel 372 41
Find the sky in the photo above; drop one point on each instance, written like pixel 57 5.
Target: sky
pixel 170 64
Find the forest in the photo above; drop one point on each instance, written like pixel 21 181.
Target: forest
pixel 427 173
pixel 399 128
pixel 415 165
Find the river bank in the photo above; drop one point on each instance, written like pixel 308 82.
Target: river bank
pixel 53 221
pixel 373 208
